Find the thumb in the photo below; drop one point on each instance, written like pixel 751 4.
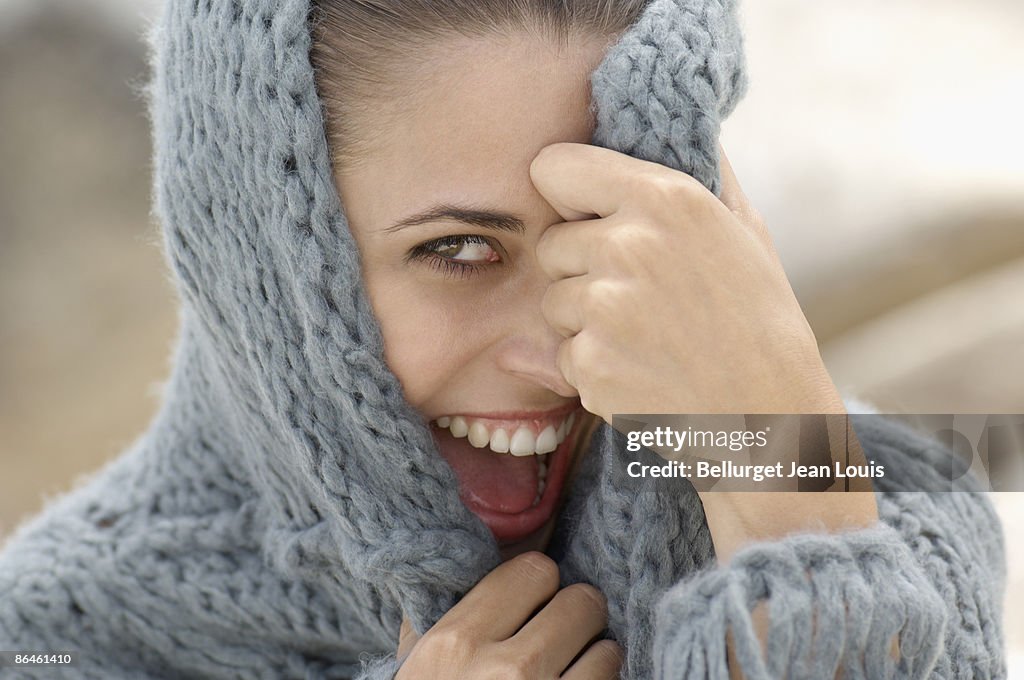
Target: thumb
pixel 733 197
pixel 407 639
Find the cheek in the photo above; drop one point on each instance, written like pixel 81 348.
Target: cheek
pixel 430 340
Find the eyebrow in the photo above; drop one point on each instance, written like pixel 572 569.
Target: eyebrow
pixel 487 219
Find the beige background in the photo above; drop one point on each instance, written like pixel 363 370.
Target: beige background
pixel 881 141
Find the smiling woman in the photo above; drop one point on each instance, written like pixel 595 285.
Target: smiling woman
pixel 425 251
pixel 447 222
pixel 450 179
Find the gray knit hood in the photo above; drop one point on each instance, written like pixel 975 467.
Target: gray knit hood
pixel 288 355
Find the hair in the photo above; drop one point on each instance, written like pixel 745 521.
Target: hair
pixel 366 53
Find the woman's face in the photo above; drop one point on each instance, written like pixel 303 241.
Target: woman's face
pixel 447 220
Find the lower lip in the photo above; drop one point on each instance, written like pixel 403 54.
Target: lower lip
pixel 513 527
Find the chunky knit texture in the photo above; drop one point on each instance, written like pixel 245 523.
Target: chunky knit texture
pixel 286 504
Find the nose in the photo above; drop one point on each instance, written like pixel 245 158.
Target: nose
pixel 530 348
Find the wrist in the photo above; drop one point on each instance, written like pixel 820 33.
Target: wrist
pixel 812 391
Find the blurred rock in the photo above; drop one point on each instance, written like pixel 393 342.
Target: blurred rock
pixel 87 314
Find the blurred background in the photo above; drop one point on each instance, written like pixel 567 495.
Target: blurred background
pixel 881 140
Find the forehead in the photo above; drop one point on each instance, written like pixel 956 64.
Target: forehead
pixel 478 113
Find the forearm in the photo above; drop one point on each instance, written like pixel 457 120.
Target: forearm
pixel 918 593
pixel 738 519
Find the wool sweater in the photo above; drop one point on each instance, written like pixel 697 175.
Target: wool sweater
pixel 286 504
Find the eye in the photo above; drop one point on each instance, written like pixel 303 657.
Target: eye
pixel 456 255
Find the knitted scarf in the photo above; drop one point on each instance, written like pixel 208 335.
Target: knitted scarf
pixel 287 505
pixel 276 319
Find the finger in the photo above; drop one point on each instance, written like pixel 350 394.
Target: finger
pixel 506 597
pixel 407 638
pixel 581 180
pixel 574 617
pixel 601 661
pixel 562 305
pixel 564 362
pixel 567 249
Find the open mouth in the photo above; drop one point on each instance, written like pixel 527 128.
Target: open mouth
pixel 511 471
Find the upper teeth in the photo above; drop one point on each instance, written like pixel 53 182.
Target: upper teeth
pixel 522 442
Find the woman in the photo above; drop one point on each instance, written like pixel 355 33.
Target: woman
pixel 358 427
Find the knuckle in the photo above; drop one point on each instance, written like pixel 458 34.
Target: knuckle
pixel 671 187
pixel 446 642
pixel 629 246
pixel 616 241
pixel 603 300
